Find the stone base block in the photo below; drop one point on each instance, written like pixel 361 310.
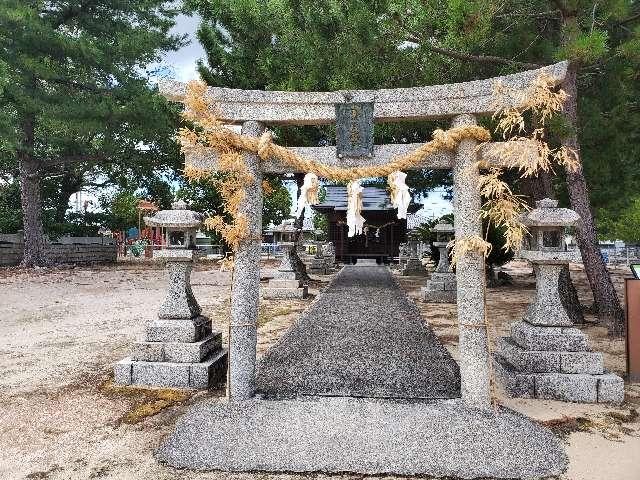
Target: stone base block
pixel 516 384
pixel 201 375
pixel 284 293
pixel 283 283
pixel 536 361
pixel 285 275
pixel 580 387
pixel 531 337
pixel 438 296
pixel 446 277
pixel 176 352
pixel 186 331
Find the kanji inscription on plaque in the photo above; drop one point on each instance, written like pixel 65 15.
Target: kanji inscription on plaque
pixel 354 129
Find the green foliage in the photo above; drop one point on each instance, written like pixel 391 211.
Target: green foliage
pixel 277 204
pixel 77 72
pixel 11 216
pixel 625 226
pixel 493 235
pixel 586 47
pixel 121 210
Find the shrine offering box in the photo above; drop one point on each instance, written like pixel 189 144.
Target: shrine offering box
pixel 632 302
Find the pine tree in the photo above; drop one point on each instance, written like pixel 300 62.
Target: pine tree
pixel 340 44
pixel 74 90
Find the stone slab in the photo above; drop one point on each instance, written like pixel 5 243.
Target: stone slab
pixel 362 337
pixel 441 438
pixel 610 388
pixel 533 361
pixel 528 361
pixel 201 375
pixel 582 362
pixel 581 387
pixel 192 330
pixel 516 384
pixel 284 293
pixel 176 351
pixel 567 387
pixel 531 337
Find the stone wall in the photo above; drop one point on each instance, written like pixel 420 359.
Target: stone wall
pixel 83 250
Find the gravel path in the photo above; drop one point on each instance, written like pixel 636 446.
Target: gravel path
pixel 363 337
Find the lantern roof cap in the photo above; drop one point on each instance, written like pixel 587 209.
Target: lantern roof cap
pixel 443 227
pixel 178 217
pixel 548 214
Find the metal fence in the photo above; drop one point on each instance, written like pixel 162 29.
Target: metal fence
pixel 621 255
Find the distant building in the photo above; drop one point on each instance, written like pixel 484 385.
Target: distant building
pixel 383 232
pixel 285 232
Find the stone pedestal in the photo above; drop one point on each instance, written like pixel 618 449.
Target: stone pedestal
pixel 179 349
pixel 441 287
pixel 545 356
pixel 285 283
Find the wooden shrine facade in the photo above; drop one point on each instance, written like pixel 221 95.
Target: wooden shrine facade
pixel 383 231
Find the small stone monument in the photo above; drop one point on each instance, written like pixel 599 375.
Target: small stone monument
pixel 329 253
pixel 545 356
pixel 286 283
pixel 413 265
pixel 442 287
pixel 318 263
pixel 179 348
pixel 403 255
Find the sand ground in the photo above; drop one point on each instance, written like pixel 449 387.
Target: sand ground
pixel 62 418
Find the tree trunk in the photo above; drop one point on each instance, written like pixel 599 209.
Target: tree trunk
pixel 537 188
pixel 298 224
pixel 605 298
pixel 71 183
pixel 30 195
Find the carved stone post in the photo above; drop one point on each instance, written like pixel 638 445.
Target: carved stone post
pixel 246 283
pixel 474 352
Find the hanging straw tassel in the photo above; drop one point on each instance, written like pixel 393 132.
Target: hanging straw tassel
pixel 355 221
pixel 400 197
pixel 308 193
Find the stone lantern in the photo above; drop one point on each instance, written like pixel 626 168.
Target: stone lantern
pixel 179 223
pixel 442 286
pixel 545 356
pixel 545 248
pixel 286 283
pixel 179 348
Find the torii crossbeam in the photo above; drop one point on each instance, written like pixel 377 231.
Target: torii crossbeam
pixel 461 102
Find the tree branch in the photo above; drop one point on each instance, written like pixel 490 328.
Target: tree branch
pixel 474 58
pixel 630 19
pixel 49 162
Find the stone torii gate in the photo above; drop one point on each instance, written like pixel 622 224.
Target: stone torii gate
pixel 462 103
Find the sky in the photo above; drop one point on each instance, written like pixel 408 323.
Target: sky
pixel 182 65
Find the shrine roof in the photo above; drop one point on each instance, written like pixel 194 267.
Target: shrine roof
pixel 373 199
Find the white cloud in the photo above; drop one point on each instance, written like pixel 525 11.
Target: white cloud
pixel 181 64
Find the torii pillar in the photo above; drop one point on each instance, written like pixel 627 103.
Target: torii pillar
pixel 473 341
pixel 246 283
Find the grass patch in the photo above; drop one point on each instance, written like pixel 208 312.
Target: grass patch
pixel 145 402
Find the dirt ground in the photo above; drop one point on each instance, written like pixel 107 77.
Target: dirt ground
pixel 62 418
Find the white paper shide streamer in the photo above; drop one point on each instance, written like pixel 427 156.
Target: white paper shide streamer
pixel 355 221
pixel 400 197
pixel 308 193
